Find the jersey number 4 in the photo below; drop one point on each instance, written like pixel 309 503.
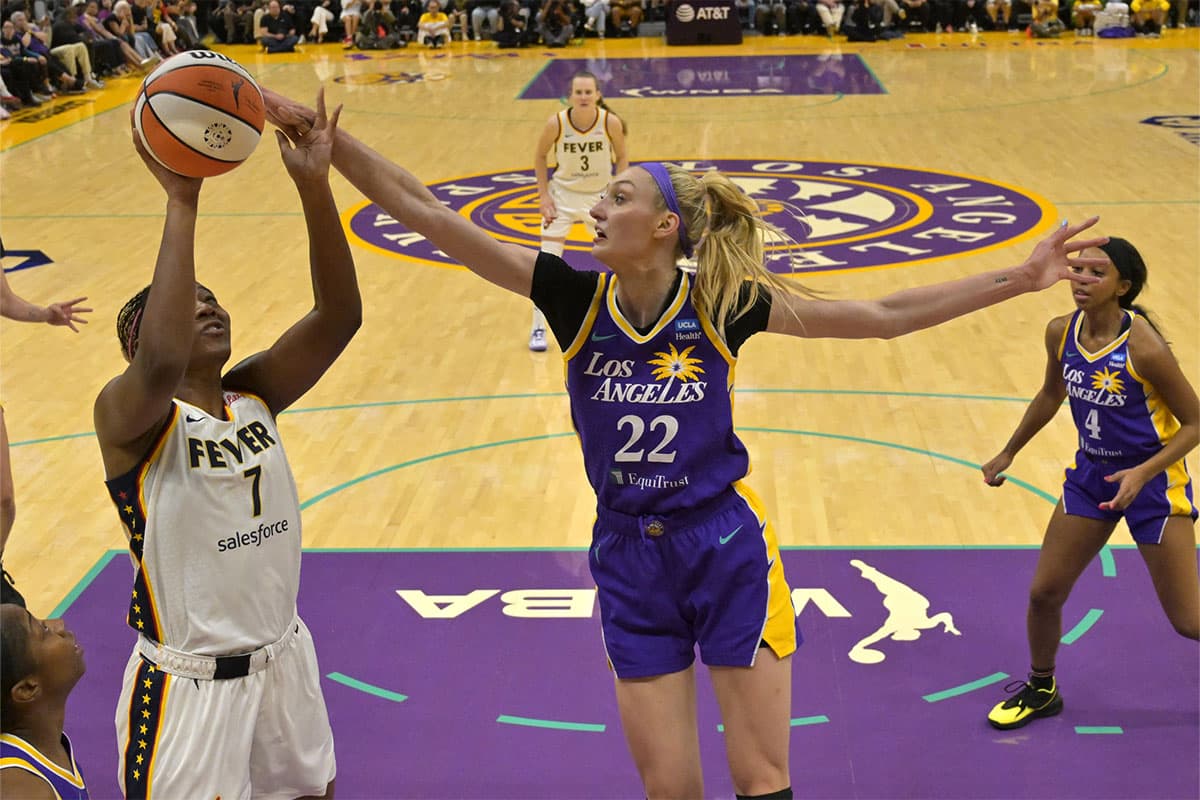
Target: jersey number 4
pixel 1092 423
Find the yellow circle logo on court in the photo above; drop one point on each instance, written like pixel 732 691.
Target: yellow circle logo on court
pixel 836 216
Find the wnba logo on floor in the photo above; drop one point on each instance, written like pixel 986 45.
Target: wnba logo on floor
pixel 835 216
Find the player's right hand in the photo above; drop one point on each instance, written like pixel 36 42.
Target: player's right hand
pixel 549 212
pixel 993 470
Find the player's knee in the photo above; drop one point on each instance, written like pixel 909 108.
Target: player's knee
pixel 1047 597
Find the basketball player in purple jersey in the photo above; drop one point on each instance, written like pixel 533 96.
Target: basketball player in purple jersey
pixel 40 663
pixel 682 551
pixel 1137 417
pixel 221 696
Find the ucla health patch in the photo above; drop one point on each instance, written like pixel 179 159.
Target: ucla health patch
pixel 835 216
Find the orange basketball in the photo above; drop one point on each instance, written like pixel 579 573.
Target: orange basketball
pixel 199 113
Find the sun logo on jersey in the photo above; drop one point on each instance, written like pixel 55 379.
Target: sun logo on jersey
pixel 1108 381
pixel 675 364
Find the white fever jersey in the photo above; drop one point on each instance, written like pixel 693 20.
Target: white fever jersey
pixel 584 158
pixel 213 520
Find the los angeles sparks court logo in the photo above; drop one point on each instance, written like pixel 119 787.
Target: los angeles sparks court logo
pixel 839 216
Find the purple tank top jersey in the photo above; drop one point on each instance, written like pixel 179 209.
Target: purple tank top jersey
pixel 654 412
pixel 16 753
pixel 1117 413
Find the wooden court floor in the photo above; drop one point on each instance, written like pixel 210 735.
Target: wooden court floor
pixel 438 428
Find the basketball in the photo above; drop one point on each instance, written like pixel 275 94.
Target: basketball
pixel 199 113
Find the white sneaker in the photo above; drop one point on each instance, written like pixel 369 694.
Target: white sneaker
pixel 537 340
pixel 92 82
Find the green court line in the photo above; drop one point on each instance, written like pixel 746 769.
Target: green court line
pixel 354 683
pixel 529 395
pixel 1026 486
pixel 1108 567
pixel 1098 729
pixel 955 691
pixel 457 451
pixel 554 724
pixel 795 722
pixel 1083 626
pixel 487 445
pixel 85 582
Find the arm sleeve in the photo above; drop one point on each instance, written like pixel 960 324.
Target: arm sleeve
pixel 563 295
pixel 753 321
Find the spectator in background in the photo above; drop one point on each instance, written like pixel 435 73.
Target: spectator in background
pixel 34 40
pixel 595 13
pixel 120 24
pixel 321 17
pixel 433 29
pixel 278 30
pixel 352 11
pixel 1148 16
pixel 511 25
pixel 554 24
pixel 1000 13
pixel 831 12
pixel 378 28
pixel 90 18
pixel 484 11
pixel 70 48
pixel 626 16
pixel 1046 24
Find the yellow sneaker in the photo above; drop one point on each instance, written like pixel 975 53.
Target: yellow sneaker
pixel 1027 704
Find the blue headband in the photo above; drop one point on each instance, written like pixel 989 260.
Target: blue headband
pixel 663 179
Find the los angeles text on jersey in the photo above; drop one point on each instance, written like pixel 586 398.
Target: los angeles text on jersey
pixel 837 215
pixel 1074 379
pixel 613 390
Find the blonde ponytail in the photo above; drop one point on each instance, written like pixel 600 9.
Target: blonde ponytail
pixel 726 228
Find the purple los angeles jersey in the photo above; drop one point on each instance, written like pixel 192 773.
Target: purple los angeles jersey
pixel 654 412
pixel 1117 412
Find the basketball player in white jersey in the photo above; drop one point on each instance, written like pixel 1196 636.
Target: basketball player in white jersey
pixel 587 139
pixel 221 696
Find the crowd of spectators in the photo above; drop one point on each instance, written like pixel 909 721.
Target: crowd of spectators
pixel 52 47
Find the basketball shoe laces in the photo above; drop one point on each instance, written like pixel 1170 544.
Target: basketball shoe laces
pixel 1026 695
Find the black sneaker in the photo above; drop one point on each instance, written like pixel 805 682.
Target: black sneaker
pixel 8 592
pixel 1027 704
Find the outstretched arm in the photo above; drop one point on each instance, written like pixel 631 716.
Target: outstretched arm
pixel 1041 409
pixel 923 307
pixel 407 200
pixel 282 374
pixel 66 312
pixel 132 406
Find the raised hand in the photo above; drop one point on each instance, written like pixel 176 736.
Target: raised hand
pixel 294 119
pixel 67 313
pixel 308 149
pixel 174 184
pixel 1051 261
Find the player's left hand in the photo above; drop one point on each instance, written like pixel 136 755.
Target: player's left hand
pixel 1130 483
pixel 67 313
pixel 307 153
pixel 1051 262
